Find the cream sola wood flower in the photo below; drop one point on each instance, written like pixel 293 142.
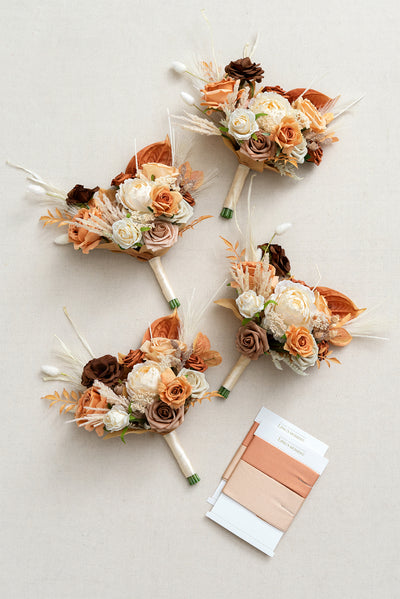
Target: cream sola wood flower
pixel 147 390
pixel 144 212
pixel 290 321
pixel 266 127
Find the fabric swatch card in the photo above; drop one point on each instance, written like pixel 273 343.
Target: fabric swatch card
pixel 267 481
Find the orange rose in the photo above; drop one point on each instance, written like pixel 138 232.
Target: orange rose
pixel 90 399
pixel 133 357
pixel 288 134
pixel 155 169
pixel 318 122
pixel 166 326
pixel 81 237
pixel 299 341
pixel 173 390
pixel 164 201
pixel 216 93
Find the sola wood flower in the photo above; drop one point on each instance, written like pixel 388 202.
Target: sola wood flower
pixel 266 127
pixel 143 214
pixel 148 390
pixel 281 317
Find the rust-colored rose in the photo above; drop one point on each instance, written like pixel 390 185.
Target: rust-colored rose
pixel 189 198
pixel 216 93
pixel 323 350
pixel 195 362
pixel 245 70
pixel 274 88
pixel 288 134
pixel 89 400
pixel 163 418
pixel 299 341
pixel 315 155
pixel 133 357
pixel 251 340
pixel 260 148
pixel 166 326
pixel 80 195
pixel 164 201
pixel 82 238
pixel 105 369
pixel 318 123
pixel 173 390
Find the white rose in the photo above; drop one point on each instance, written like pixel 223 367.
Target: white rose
pixel 242 124
pixel 134 194
pixel 299 151
pixel 295 305
pixel 126 233
pixel 249 303
pixel 185 212
pixel 273 106
pixel 144 378
pixel 197 381
pixel 116 419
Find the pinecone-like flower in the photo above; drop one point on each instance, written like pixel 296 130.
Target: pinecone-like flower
pixel 277 258
pixel 245 70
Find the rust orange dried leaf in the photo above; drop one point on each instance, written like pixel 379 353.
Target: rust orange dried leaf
pixel 340 304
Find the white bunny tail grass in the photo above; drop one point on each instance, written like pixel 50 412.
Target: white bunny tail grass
pixel 193 313
pixel 79 335
pixel 42 190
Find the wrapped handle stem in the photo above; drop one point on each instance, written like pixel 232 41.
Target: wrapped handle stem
pixel 162 280
pixel 235 190
pixel 234 376
pixel 179 454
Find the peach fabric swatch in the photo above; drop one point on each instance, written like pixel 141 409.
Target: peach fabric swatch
pixel 280 466
pixel 234 461
pixel 269 500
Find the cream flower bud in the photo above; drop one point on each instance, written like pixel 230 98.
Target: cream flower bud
pixel 62 239
pixel 144 378
pixel 116 419
pixel 188 99
pixel 249 303
pixel 242 124
pixel 50 370
pixel 178 67
pixel 281 229
pixel 197 381
pixel 126 233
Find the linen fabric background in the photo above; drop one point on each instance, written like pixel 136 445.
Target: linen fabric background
pixel 84 518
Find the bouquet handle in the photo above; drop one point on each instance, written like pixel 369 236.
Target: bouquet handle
pixel 235 190
pixel 179 454
pixel 159 272
pixel 234 376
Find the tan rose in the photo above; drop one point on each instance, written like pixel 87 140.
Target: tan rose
pixel 318 122
pixel 173 390
pixel 299 342
pixel 90 399
pixel 166 326
pixel 216 93
pixel 82 238
pixel 157 347
pixel 163 418
pixel 288 134
pixel 164 201
pixel 155 169
pixel 251 340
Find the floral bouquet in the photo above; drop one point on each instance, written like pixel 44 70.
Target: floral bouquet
pixel 281 317
pixel 143 214
pixel 265 126
pixel 148 390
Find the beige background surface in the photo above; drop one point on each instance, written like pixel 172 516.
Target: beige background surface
pixel 83 518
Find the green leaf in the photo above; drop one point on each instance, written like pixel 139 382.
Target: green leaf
pixel 128 215
pixel 254 136
pixel 123 434
pixel 246 320
pixel 144 229
pixel 153 177
pixel 132 418
pixel 307 157
pixel 223 129
pixel 261 114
